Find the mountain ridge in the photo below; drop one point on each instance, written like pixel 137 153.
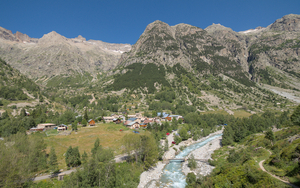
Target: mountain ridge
pixel 54 54
pixel 219 49
pixel 257 55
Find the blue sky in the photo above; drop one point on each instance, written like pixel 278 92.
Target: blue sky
pixel 124 21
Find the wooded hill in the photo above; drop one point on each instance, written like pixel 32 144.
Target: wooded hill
pixel 247 142
pixel 12 83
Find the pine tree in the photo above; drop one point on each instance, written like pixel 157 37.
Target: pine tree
pixel 166 148
pixel 96 147
pixel 76 157
pixel 41 99
pixel 53 160
pixel 69 156
pixel 72 157
pixel 84 122
pixel 84 158
pixel 85 115
pixel 295 117
pixel 270 136
pixel 74 125
pixel 23 112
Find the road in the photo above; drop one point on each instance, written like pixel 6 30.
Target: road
pixel 118 159
pixel 263 169
pixel 39 178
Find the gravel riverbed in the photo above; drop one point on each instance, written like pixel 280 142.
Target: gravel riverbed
pixel 203 152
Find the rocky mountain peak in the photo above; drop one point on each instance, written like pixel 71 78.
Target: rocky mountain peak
pixel 289 22
pixel 52 37
pixel 6 34
pixel 79 39
pixel 217 27
pixel 23 37
pixel 156 26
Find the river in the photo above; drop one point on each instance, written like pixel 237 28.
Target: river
pixel 172 175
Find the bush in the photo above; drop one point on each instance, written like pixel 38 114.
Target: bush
pixel 191 179
pixel 192 164
pixel 84 122
pixel 177 139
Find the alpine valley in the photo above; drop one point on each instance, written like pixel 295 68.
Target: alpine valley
pixel 209 69
pixel 177 85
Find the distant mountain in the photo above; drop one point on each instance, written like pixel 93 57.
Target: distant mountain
pixel 263 55
pixel 54 54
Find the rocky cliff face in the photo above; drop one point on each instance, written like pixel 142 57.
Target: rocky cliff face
pixel 54 54
pixel 214 50
pixel 269 55
pixel 264 55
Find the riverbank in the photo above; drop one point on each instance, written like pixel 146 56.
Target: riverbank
pixel 153 175
pixel 204 153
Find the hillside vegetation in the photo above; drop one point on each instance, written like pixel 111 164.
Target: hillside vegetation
pixel 274 139
pixel 12 83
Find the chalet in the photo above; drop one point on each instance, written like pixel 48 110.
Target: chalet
pixel 132 120
pixel 46 126
pixel 137 115
pixel 91 122
pixel 143 125
pixel 62 127
pixel 133 125
pixel 162 115
pixel 108 119
pixel 117 120
pixel 177 117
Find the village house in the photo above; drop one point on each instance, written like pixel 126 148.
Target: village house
pixel 62 127
pixel 117 120
pixel 177 117
pixel 46 126
pixel 137 115
pixel 143 125
pixel 91 122
pixel 113 118
pixel 108 119
pixel 148 120
pixel 130 120
pixel 133 125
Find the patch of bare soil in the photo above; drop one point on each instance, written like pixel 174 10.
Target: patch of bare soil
pixel 289 94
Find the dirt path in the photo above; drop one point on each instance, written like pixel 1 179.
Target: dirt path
pixel 29 95
pixel 263 169
pixel 39 178
pixel 118 159
pixel 93 99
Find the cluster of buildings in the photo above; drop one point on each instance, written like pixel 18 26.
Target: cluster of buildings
pixel 47 126
pixel 138 121
pixel 134 121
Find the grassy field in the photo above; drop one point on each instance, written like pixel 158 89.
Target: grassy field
pixel 237 113
pixel 241 114
pixel 109 134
